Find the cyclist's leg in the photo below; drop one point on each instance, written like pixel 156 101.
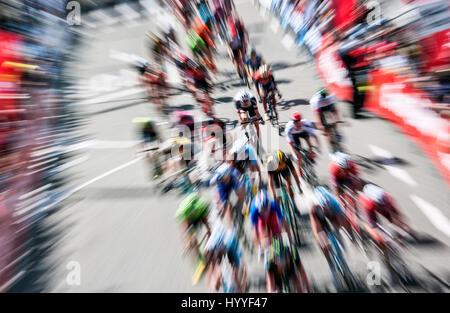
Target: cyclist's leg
pixel 287 177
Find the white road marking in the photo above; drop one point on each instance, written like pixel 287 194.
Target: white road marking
pixel 275 26
pixel 93 180
pixel 288 42
pixel 103 18
pixel 112 96
pixel 151 7
pixel 439 220
pixel 129 15
pixel 394 171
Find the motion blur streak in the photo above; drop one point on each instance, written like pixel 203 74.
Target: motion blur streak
pixel 296 145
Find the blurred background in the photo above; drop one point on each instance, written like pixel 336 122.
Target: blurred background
pixel 75 194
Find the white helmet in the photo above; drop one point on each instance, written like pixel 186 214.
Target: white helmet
pixel 239 146
pixel 243 94
pixel 341 159
pixel 375 193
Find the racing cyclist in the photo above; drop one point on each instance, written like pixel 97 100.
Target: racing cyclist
pixel 279 165
pixel 265 83
pixel 324 214
pixel 344 174
pixel 323 103
pixel 247 108
pixel 297 129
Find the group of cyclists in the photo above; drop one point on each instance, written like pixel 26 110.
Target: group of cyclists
pixel 254 203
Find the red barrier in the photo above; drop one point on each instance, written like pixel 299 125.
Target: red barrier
pixel 395 100
pixel 392 98
pixel 333 72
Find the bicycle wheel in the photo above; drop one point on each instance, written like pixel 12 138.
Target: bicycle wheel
pixel 347 279
pixel 291 217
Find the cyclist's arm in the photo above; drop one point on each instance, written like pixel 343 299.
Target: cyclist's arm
pixel 317 140
pixel 271 184
pixel 308 141
pixel 294 172
pixel 316 227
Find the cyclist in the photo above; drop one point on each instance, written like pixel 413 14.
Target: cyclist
pixel 323 103
pixel 265 83
pixel 184 122
pixel 223 255
pixel 243 157
pixel 158 47
pixel 235 47
pixel 192 214
pixel 247 108
pixel 226 179
pixel 267 219
pixel 344 173
pixel 202 30
pixel 156 82
pixel 150 139
pixel 297 129
pixel 213 129
pixel 324 214
pixel 375 201
pixel 253 62
pixel 279 165
pixel 285 269
pixel 198 82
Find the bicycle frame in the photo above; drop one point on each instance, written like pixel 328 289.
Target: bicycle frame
pixel 339 262
pixel 290 215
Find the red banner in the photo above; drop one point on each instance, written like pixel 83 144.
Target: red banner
pixel 392 98
pixel 9 75
pixel 333 73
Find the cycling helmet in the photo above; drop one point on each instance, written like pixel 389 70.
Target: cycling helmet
pixel 323 92
pixel 296 116
pixel 264 71
pixel 243 95
pixel 239 146
pixel 280 156
pixel 251 52
pixel 262 199
pixel 375 193
pixel 320 197
pixel 274 160
pixel 342 160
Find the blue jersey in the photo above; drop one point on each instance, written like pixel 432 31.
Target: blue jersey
pixel 332 202
pixel 274 209
pixel 226 188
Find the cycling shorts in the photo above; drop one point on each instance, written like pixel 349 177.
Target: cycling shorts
pixel 326 110
pixel 276 175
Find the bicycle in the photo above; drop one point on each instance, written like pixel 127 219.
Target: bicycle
pixel 345 280
pixel 291 217
pixel 391 256
pixel 336 137
pixel 308 168
pixel 252 137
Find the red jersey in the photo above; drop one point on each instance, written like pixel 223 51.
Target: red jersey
pixel 259 79
pixel 338 175
pixel 371 208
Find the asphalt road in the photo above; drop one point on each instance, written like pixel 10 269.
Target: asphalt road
pixel 125 238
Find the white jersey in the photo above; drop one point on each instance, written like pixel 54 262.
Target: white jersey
pixel 293 134
pixel 318 103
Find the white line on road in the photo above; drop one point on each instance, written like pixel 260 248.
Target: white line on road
pixel 275 26
pixel 394 171
pixel 288 42
pixel 95 179
pixel 439 220
pixel 112 96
